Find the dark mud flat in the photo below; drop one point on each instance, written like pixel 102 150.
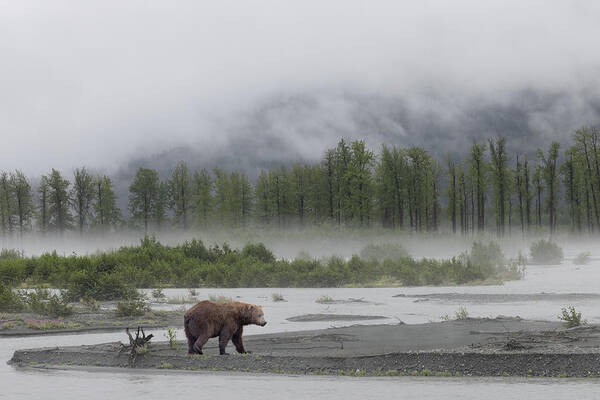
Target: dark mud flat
pixel 476 347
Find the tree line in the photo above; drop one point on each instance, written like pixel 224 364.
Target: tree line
pixel 351 187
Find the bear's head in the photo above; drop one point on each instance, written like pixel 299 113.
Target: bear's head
pixel 257 315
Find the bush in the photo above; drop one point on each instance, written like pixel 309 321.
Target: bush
pixel 40 301
pixel 380 252
pixel 196 249
pixel 9 300
pixel 171 334
pixel 58 306
pixel 582 258
pixel 132 307
pixel 259 251
pixel 489 256
pixel 158 293
pixel 98 286
pixel 571 317
pixel 545 252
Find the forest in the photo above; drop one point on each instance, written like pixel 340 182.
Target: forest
pixel 487 190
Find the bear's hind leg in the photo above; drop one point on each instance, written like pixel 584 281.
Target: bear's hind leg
pixel 199 343
pixel 191 340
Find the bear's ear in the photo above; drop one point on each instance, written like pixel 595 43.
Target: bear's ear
pixel 260 307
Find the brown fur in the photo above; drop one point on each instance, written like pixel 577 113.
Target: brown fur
pixel 208 319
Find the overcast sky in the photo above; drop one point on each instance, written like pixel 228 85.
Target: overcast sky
pixel 96 82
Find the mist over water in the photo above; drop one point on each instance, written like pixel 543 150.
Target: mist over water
pixel 292 243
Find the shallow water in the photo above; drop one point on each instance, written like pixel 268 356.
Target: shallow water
pixel 34 384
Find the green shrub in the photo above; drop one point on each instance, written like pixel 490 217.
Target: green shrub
pixel 132 307
pixel 41 301
pixel 58 306
pixel 12 271
pixel 489 256
pixel 582 258
pixel 196 249
pixel 9 300
pixel 98 286
pixel 545 252
pixel 259 251
pixel 158 293
pixel 571 317
pixel 171 334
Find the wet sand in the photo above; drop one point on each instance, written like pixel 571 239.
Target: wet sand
pixel 477 347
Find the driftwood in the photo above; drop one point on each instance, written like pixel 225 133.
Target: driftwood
pixel 136 344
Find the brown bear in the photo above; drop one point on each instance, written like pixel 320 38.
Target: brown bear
pixel 207 320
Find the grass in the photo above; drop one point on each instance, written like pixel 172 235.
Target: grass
pixel 50 324
pixel 165 365
pixel 9 325
pixel 277 297
pixel 325 300
pixel 570 317
pixel 219 298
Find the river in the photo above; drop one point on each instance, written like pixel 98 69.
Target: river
pixel 479 301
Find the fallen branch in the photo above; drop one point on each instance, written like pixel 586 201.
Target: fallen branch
pixel 136 344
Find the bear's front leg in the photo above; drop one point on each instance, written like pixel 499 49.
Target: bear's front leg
pixel 224 338
pixel 237 340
